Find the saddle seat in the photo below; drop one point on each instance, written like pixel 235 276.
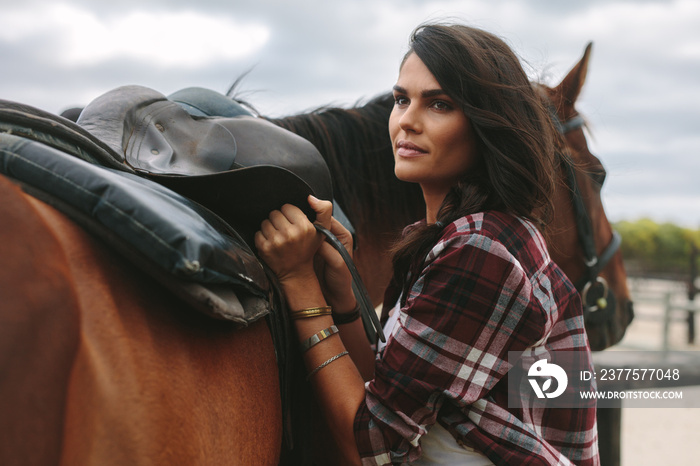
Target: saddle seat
pixel 240 167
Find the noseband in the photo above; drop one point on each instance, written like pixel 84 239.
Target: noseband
pixel 598 300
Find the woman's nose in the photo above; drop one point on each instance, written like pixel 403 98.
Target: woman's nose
pixel 410 119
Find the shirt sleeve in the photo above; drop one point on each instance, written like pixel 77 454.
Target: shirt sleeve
pixel 470 306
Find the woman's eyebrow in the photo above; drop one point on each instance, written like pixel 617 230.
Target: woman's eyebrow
pixel 425 94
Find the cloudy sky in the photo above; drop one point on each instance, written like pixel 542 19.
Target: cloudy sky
pixel 642 96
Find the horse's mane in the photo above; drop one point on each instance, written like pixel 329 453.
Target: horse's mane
pixel 356 146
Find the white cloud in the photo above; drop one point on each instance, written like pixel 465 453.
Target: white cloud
pixel 158 38
pixel 641 94
pixel 639 26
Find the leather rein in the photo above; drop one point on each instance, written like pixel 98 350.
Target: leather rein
pixel 373 328
pixel 598 300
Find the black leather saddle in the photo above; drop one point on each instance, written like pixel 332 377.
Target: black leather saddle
pixel 205 186
pixel 240 167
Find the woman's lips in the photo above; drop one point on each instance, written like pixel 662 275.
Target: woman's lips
pixel 408 149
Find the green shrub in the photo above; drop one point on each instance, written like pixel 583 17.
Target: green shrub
pixel 652 248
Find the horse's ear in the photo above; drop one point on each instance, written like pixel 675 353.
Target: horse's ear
pixel 570 87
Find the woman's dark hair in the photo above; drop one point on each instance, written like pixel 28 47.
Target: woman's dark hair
pixel 515 136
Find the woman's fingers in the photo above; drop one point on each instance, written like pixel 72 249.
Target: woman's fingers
pixel 294 214
pixel 288 221
pixel 287 242
pixel 342 233
pixel 267 229
pixel 323 209
pixel 330 256
pixel 289 215
pixel 280 219
pixel 286 228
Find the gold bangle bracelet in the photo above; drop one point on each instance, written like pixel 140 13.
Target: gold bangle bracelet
pixel 311 312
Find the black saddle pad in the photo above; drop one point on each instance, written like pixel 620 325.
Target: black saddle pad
pixel 57 132
pixel 183 245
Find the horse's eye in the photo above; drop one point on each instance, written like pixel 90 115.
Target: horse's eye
pixel 598 176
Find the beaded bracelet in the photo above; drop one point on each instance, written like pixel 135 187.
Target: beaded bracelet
pixel 318 338
pixel 311 312
pixel 324 364
pixel 346 318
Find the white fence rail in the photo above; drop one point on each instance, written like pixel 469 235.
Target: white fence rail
pixel 670 297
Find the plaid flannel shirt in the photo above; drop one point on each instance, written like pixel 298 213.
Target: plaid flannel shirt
pixel 486 288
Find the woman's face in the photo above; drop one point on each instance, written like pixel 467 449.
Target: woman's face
pixel 432 137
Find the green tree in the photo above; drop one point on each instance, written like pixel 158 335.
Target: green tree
pixel 652 248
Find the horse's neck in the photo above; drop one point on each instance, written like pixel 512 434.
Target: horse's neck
pixel 562 234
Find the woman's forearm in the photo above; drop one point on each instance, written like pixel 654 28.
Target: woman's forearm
pixel 338 385
pixel 355 340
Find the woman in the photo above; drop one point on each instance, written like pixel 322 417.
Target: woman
pixel 472 282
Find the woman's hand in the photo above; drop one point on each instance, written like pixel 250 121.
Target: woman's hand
pixel 332 271
pixel 288 243
pixel 287 240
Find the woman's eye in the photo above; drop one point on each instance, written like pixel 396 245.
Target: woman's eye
pixel 400 100
pixel 441 105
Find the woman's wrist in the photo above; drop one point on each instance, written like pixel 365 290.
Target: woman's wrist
pixel 342 318
pixel 300 283
pixel 343 305
pixel 301 275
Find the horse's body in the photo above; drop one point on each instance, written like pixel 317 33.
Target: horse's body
pixel 101 365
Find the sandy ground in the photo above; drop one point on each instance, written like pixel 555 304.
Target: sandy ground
pixel 656 436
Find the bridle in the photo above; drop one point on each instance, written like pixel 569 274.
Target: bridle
pixel 597 297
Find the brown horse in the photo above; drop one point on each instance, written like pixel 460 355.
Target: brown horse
pixel 379 206
pixel 99 364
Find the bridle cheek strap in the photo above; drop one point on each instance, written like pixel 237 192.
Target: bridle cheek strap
pixel 595 292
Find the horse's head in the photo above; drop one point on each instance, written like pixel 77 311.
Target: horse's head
pixel 582 241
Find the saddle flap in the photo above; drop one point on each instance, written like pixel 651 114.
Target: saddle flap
pixel 177 241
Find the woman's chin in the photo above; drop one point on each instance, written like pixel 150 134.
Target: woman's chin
pixel 407 174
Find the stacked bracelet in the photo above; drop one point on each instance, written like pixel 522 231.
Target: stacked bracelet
pixel 324 364
pixel 346 318
pixel 311 312
pixel 318 338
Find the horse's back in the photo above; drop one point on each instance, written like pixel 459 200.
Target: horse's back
pixel 103 366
